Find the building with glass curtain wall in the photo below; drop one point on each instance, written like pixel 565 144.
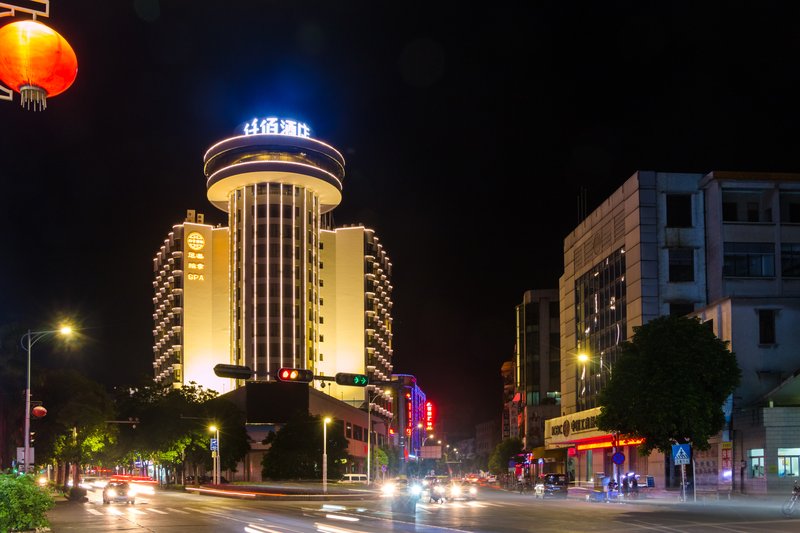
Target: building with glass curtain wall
pixel 720 247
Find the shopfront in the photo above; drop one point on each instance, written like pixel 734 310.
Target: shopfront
pixel 590 451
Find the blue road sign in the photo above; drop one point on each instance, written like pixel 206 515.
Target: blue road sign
pixel 681 454
pixel 214 445
pixel 618 458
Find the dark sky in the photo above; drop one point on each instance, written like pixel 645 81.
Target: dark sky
pixel 468 133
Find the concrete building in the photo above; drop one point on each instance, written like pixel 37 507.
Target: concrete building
pixel 537 363
pixel 668 243
pixel 190 305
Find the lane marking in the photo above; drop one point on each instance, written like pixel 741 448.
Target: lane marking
pixel 95 512
pixel 176 510
pixel 156 511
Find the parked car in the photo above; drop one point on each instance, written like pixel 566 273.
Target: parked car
pixel 552 486
pixel 119 491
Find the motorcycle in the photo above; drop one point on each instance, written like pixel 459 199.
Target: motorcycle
pixel 790 505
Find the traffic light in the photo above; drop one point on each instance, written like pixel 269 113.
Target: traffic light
pixel 352 380
pixel 233 371
pixel 297 375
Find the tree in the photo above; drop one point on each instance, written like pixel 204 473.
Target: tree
pixel 503 453
pixel 295 451
pixel 668 385
pixel 75 428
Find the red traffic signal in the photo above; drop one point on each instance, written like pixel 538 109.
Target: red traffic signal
pixel 297 375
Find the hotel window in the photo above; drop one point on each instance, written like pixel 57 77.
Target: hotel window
pixel 348 430
pixel 788 462
pixel 679 210
pixel 757 462
pixel 749 259
pixel 790 260
pixel 766 326
pixel 681 264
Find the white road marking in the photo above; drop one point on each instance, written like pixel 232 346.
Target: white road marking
pixel 156 510
pixel 177 510
pixel 95 512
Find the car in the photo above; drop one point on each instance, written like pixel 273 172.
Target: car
pixel 119 491
pixel 458 490
pixel 551 486
pixel 491 478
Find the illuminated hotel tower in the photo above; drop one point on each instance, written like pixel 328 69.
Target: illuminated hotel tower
pixel 276 183
pixel 190 311
pixel 356 319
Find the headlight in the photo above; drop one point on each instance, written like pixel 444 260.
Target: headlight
pixel 142 489
pixel 132 491
pixel 42 480
pixel 473 490
pixel 416 490
pixel 112 493
pixel 388 489
pixel 456 490
pixel 424 482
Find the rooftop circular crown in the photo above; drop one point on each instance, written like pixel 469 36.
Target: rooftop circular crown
pixel 273 150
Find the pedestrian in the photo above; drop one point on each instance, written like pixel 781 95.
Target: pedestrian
pixel 634 487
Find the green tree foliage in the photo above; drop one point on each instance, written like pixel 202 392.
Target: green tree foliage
pixel 75 428
pixel 23 504
pixel 669 384
pixel 503 453
pixel 295 451
pixel 173 426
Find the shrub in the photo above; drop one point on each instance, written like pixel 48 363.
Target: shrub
pixel 23 504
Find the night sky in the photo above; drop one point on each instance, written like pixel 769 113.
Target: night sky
pixel 468 134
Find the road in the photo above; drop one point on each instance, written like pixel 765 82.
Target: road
pixel 494 511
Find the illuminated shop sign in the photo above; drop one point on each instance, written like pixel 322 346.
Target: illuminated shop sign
pixel 277 126
pixel 609 444
pixel 195 258
pixel 576 425
pixel 428 416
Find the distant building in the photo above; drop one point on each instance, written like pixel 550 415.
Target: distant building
pixel 538 364
pixel 721 246
pixel 487 436
pixel 509 422
pixel 410 416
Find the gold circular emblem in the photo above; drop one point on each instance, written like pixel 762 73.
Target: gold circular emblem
pixel 195 241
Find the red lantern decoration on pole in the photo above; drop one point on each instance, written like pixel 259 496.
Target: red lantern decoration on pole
pixel 36 62
pixel 39 411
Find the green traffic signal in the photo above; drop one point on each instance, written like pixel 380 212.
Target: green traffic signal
pixel 352 380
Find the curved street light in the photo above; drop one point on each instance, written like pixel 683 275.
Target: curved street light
pixel 32 337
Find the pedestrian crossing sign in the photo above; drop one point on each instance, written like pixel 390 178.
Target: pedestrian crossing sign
pixel 681 454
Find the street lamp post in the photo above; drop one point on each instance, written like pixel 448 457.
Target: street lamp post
pixel 217 463
pixel 32 337
pixel 325 455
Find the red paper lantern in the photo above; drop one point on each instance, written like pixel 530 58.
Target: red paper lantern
pixel 39 411
pixel 36 62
